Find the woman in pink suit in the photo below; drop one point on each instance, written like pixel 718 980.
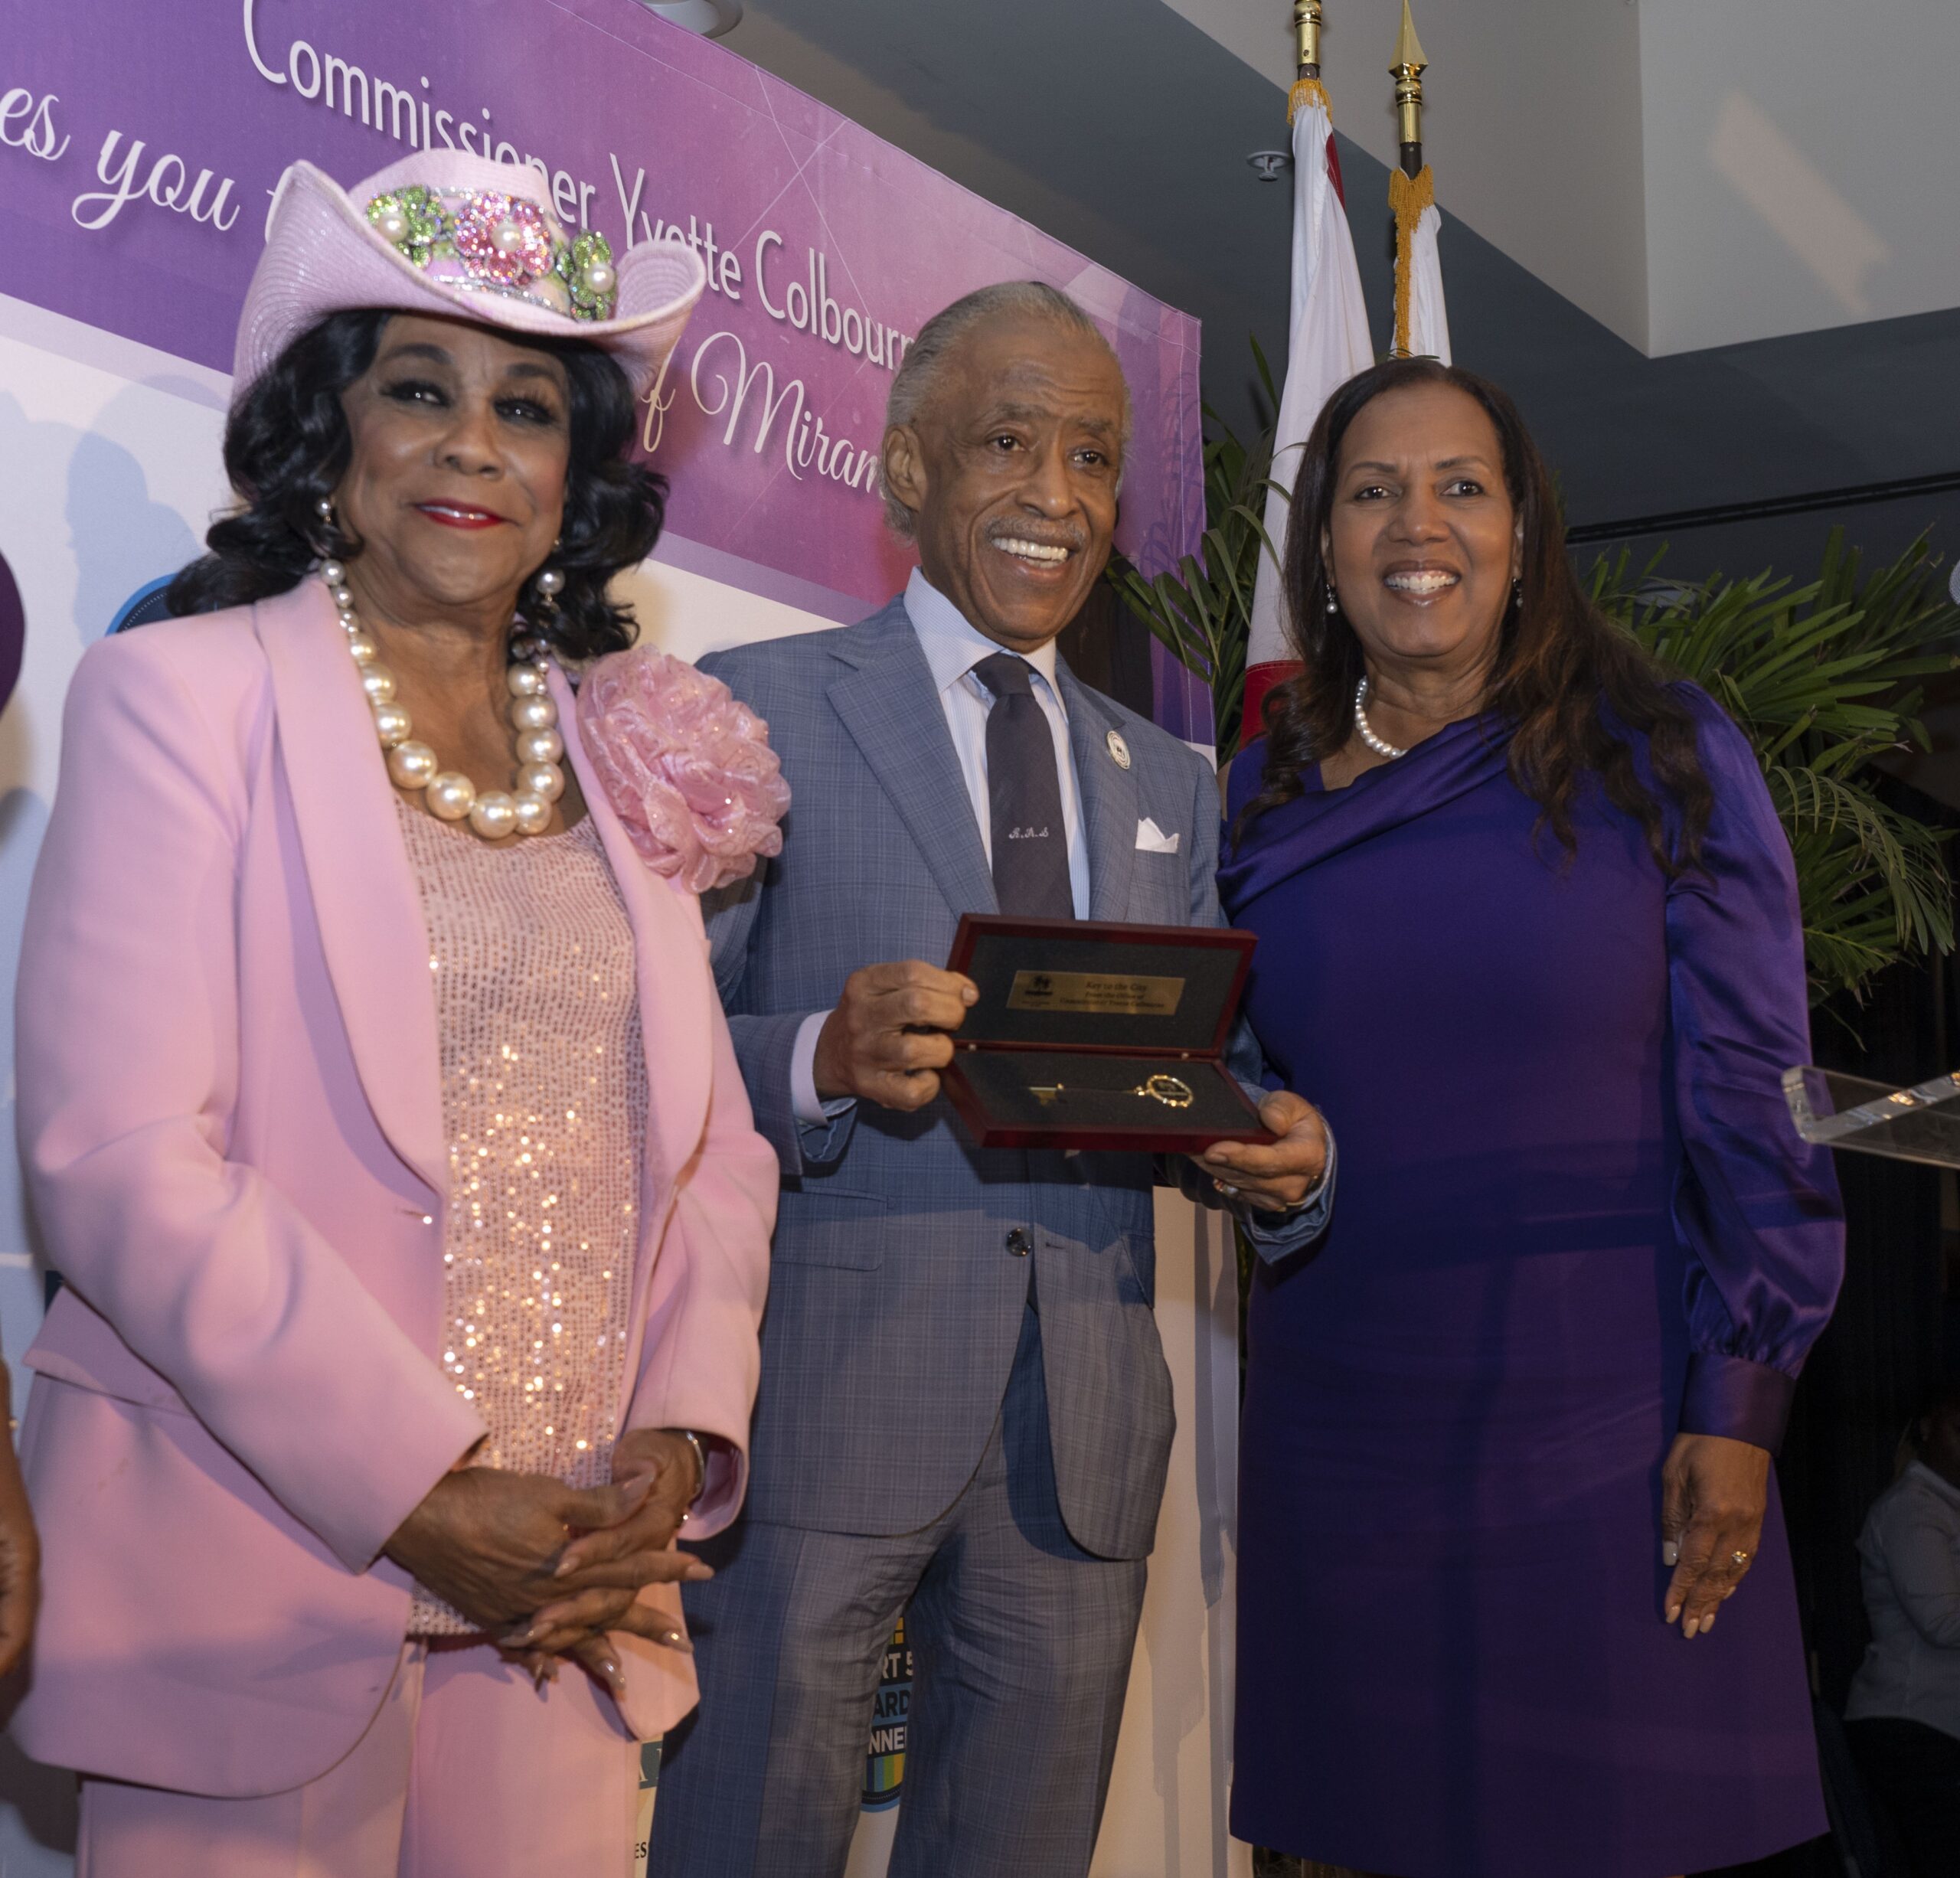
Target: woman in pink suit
pixel 378 1109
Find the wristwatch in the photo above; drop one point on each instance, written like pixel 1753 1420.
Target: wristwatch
pixel 693 1441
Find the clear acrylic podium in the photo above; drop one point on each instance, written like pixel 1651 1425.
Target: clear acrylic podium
pixel 1922 1123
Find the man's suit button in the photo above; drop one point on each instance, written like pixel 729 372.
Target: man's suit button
pixel 1019 1243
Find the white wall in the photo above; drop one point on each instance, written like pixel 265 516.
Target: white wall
pixel 1532 123
pixel 1802 169
pixel 1692 173
pixel 1166 1817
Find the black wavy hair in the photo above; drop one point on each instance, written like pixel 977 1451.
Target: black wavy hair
pixel 287 445
pixel 1569 685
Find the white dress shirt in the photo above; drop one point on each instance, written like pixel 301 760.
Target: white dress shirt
pixel 953 646
pixel 1909 1559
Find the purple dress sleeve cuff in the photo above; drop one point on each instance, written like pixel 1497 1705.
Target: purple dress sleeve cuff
pixel 1732 1396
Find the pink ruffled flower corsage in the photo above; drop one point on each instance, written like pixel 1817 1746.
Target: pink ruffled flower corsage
pixel 687 769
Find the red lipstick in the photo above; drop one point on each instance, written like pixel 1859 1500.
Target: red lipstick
pixel 459 515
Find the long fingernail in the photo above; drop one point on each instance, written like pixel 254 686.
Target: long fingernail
pixel 566 1565
pixel 614 1680
pixel 538 1676
pixel 518 1639
pixel 1672 1611
pixel 1708 1622
pixel 698 1574
pixel 1670 1552
pixel 678 1640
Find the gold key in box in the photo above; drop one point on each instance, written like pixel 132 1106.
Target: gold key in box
pixel 1097 1034
pixel 1172 1091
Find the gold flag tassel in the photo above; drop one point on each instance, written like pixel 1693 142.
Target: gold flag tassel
pixel 1307 91
pixel 1408 196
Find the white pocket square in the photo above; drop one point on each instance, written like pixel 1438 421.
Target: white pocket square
pixel 1151 840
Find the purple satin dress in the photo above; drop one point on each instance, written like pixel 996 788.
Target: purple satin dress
pixel 1573 1217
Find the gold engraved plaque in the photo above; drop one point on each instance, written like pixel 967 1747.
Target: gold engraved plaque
pixel 1115 995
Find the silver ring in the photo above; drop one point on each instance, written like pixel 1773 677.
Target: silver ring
pixel 1230 1193
pixel 1741 1558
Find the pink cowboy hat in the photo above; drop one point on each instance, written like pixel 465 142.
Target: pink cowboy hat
pixel 445 233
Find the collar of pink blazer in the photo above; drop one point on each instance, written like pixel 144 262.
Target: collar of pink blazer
pixel 370 911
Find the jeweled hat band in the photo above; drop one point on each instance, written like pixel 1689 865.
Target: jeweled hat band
pixel 486 241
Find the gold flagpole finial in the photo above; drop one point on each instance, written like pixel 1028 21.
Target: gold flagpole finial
pixel 1406 69
pixel 1410 191
pixel 1408 47
pixel 1306 29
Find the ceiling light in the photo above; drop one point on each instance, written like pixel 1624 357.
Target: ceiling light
pixel 710 18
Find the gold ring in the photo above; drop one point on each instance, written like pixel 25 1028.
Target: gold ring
pixel 1741 1558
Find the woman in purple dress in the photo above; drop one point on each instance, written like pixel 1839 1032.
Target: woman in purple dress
pixel 1529 929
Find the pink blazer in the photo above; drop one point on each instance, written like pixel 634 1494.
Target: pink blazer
pixel 230 1115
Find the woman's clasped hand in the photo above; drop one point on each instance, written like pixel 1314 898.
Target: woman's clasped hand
pixel 550 1570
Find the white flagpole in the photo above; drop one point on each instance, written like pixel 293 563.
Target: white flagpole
pixel 1327 343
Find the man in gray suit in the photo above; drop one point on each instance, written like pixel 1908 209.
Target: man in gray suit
pixel 965 1415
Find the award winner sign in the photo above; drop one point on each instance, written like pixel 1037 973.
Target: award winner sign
pixel 140 159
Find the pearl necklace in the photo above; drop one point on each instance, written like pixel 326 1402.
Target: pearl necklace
pixel 1380 746
pixel 450 795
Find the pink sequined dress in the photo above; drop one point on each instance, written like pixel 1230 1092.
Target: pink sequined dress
pixel 544 1104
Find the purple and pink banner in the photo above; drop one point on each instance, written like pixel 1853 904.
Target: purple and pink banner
pixel 140 146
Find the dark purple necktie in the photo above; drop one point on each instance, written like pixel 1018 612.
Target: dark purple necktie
pixel 1024 795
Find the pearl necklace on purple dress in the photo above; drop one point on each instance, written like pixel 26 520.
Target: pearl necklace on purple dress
pixel 1380 746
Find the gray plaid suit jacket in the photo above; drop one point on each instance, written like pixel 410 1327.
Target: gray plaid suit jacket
pixel 895 1297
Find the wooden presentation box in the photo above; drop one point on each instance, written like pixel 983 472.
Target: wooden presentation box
pixel 1097 1034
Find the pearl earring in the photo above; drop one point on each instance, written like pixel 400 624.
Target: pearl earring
pixel 326 542
pixel 1333 601
pixel 547 584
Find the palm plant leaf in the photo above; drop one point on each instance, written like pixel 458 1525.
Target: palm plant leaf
pixel 1823 677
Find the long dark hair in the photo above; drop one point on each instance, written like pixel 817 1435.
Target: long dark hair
pixel 287 445
pixel 1569 686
